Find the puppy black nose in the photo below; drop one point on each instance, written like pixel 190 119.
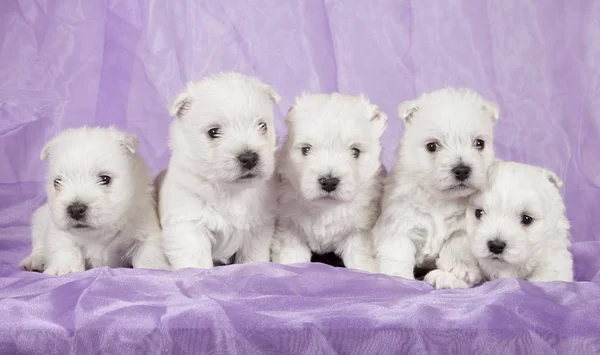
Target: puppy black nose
pixel 461 172
pixel 248 159
pixel 496 246
pixel 76 210
pixel 329 183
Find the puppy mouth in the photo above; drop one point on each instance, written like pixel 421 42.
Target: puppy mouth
pixel 459 188
pixel 80 226
pixel 247 176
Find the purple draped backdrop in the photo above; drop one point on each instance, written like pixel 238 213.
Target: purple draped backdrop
pixel 71 63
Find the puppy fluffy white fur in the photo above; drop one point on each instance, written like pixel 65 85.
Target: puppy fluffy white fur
pixel 517 226
pixel 100 209
pixel 216 196
pixel 443 158
pixel 330 180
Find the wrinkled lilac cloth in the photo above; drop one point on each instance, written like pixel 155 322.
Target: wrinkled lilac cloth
pixel 78 62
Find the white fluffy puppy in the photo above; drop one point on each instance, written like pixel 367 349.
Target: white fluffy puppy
pixel 216 196
pixel 100 209
pixel 517 226
pixel 443 158
pixel 330 180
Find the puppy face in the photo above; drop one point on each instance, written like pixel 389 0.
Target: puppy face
pixel 224 128
pixel 332 147
pixel 448 140
pixel 516 214
pixel 90 182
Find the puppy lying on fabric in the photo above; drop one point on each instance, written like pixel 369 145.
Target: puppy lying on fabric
pixel 100 209
pixel 517 226
pixel 442 160
pixel 216 198
pixel 330 180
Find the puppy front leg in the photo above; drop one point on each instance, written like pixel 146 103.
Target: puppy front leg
pixel 149 253
pixel 357 252
pixel 288 248
pixel 256 246
pixel 560 268
pixel 395 253
pixel 64 256
pixel 188 245
pixel 456 266
pixel 39 227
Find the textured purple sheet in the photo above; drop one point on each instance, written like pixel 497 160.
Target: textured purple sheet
pixel 70 63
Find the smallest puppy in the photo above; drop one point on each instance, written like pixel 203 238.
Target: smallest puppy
pixel 517 226
pixel 100 209
pixel 330 180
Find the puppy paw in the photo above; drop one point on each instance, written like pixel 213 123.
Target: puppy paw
pixel 32 263
pixel 366 266
pixel 444 280
pixel 153 264
pixel 470 275
pixel 196 264
pixel 59 269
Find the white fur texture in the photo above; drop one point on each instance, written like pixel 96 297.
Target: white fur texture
pixel 210 207
pixel 325 132
pixel 424 204
pixel 534 252
pixel 120 225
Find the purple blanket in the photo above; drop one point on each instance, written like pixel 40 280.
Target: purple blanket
pixel 70 63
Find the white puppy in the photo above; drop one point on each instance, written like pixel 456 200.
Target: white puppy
pixel 216 196
pixel 100 209
pixel 443 158
pixel 330 180
pixel 517 226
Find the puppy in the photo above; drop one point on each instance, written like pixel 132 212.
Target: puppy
pixel 216 196
pixel 517 226
pixel 330 180
pixel 442 160
pixel 100 209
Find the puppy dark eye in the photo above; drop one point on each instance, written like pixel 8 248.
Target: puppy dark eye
pixel 479 144
pixel 432 146
pixel 479 213
pixel 57 183
pixel 214 133
pixel 263 127
pixel 355 152
pixel 526 220
pixel 305 150
pixel 104 179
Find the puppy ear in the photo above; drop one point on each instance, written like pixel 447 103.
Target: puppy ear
pixel 46 151
pixel 379 118
pixel 553 178
pixel 271 94
pixel 407 110
pixel 288 116
pixel 491 109
pixel 180 105
pixel 129 142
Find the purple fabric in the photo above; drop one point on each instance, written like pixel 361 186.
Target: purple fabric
pixel 70 63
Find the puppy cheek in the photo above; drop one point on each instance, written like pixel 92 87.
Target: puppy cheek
pixel 519 248
pixel 308 184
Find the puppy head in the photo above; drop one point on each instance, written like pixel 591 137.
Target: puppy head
pixel 91 181
pixel 333 146
pixel 224 128
pixel 518 212
pixel 448 140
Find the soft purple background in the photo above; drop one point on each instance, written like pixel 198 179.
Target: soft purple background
pixel 70 63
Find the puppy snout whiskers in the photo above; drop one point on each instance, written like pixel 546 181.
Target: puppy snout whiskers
pixel 329 183
pixel 77 210
pixel 461 172
pixel 496 246
pixel 248 159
